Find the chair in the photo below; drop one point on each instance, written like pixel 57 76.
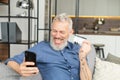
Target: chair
pixel 99 50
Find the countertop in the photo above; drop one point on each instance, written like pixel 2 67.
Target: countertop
pixel 92 32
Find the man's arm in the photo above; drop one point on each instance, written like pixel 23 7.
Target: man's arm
pixel 22 68
pixel 14 65
pixel 85 72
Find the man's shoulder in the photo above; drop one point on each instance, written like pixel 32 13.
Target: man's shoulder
pixel 43 42
pixel 73 45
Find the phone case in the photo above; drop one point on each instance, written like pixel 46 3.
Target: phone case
pixel 30 57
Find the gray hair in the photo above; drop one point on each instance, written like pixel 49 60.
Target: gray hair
pixel 64 17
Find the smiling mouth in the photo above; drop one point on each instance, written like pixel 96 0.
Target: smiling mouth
pixel 58 41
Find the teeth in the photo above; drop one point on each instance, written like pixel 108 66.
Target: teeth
pixel 58 39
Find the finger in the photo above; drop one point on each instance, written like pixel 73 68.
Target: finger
pixel 86 42
pixel 23 67
pixel 30 70
pixel 27 74
pixel 85 47
pixel 24 64
pixel 29 63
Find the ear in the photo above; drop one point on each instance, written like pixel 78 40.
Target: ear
pixel 71 31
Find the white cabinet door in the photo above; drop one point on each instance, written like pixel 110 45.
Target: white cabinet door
pixel 117 46
pixel 87 7
pixel 108 41
pixel 101 7
pixel 65 6
pixel 94 7
pixel 113 7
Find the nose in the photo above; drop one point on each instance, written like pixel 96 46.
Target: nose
pixel 57 34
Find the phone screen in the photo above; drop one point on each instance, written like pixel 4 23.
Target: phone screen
pixel 30 57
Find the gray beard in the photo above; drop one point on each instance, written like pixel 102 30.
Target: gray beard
pixel 57 48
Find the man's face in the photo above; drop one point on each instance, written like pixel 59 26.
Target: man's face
pixel 60 33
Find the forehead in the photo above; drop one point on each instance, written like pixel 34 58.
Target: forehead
pixel 60 25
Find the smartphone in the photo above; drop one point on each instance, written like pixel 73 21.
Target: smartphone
pixel 30 57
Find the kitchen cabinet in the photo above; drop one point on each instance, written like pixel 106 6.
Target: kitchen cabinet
pixel 113 8
pixel 112 44
pixel 118 46
pixel 99 8
pixel 88 7
pixel 63 6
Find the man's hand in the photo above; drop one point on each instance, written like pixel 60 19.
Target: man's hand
pixel 28 71
pixel 85 49
pixel 22 69
pixel 85 73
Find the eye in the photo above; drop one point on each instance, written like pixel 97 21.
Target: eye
pixel 54 31
pixel 62 32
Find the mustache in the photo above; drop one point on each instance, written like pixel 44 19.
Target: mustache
pixel 58 38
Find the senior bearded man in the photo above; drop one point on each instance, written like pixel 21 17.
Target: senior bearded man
pixel 58 59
